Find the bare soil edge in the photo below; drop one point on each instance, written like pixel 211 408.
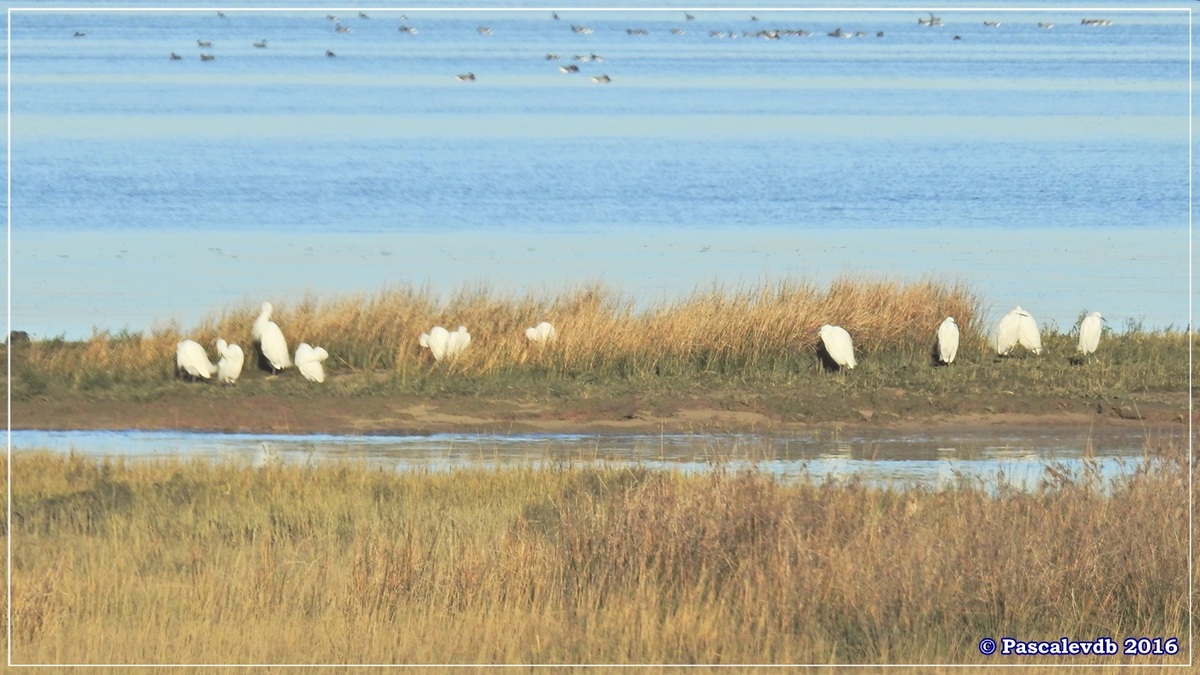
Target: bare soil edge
pixel 407 415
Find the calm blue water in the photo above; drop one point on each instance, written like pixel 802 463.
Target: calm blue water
pixel 988 457
pixel 1048 168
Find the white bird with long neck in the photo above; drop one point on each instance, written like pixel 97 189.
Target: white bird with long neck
pixel 191 359
pixel 458 342
pixel 308 362
pixel 838 345
pixel 543 333
pixel 270 340
pixel 947 340
pixel 1089 333
pixel 229 368
pixel 436 341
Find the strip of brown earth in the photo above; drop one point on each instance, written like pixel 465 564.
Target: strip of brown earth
pixel 269 413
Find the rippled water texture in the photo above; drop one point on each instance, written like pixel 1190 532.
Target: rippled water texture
pixel 1049 168
pixel 934 459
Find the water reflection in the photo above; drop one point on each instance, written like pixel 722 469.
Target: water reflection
pixel 933 460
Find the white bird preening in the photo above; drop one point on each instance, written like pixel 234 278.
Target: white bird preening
pixel 271 344
pixel 838 345
pixel 1089 333
pixel 947 340
pixel 1018 327
pixel 458 342
pixel 308 362
pixel 191 358
pixel 436 341
pixel 543 333
pixel 229 368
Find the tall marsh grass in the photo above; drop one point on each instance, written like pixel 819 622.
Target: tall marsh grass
pixel 716 337
pixel 188 562
pixel 599 328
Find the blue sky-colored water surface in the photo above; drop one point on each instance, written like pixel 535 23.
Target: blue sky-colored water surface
pixel 1047 167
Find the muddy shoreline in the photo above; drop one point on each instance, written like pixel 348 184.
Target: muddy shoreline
pixel 410 415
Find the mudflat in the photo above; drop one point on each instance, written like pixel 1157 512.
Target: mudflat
pixel 182 408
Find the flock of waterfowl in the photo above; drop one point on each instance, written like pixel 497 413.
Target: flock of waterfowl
pixel 933 21
pixel 1017 328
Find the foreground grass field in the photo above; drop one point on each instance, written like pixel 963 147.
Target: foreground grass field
pixel 182 562
pixel 751 349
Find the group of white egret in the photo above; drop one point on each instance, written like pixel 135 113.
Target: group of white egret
pixel 191 359
pixel 1018 327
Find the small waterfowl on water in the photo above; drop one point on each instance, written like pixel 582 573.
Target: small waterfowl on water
pixel 569 69
pixel 342 29
pixel 261 44
pixel 79 34
pixel 329 53
pixel 465 77
pixel 207 57
pixel 552 57
pixel 484 30
pixel 176 57
pixel 363 15
pixel 601 79
pixel 203 43
pixel 1045 25
pixel 407 30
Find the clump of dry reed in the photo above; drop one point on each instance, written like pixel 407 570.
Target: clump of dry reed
pixel 718 329
pixel 188 562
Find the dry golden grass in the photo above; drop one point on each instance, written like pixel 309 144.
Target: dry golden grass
pixel 773 326
pixel 187 562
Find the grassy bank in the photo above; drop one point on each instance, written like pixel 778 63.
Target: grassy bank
pixel 184 562
pixel 740 349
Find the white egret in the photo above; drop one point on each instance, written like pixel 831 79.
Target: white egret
pixel 543 333
pixel 436 341
pixel 271 345
pixel 191 358
pixel 1017 327
pixel 458 342
pixel 1007 331
pixel 838 345
pixel 308 361
pixel 1027 333
pixel 1089 333
pixel 947 340
pixel 229 368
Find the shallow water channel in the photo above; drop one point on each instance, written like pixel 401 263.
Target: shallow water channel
pixel 988 457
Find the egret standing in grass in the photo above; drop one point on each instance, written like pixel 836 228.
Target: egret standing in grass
pixel 1028 334
pixel 543 333
pixel 838 345
pixel 272 348
pixel 1089 333
pixel 191 359
pixel 1018 327
pixel 308 362
pixel 458 342
pixel 947 341
pixel 229 368
pixel 436 341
